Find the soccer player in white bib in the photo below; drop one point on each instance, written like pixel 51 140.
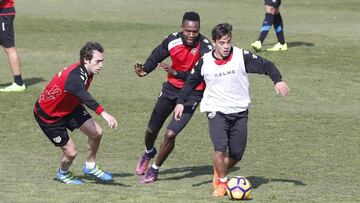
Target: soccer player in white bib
pixel 226 98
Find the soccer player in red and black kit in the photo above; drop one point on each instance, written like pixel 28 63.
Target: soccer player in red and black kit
pixel 184 49
pixel 60 107
pixel 7 40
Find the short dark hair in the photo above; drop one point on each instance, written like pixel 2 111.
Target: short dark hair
pixel 191 16
pixel 221 30
pixel 86 52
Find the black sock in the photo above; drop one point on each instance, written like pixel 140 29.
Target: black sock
pixel 18 80
pixel 266 26
pixel 279 27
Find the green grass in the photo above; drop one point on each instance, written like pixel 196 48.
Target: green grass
pixel 304 148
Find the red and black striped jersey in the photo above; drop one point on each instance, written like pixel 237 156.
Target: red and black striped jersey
pixel 183 56
pixel 65 92
pixel 7 7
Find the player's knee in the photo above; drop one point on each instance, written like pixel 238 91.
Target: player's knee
pixel 220 152
pixel 150 131
pixel 236 155
pixel 170 135
pixel 269 19
pixel 97 133
pixel 71 154
pixel 220 148
pixel 10 50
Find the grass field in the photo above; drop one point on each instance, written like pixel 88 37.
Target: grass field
pixel 304 148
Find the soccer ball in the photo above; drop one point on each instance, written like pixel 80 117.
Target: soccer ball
pixel 239 188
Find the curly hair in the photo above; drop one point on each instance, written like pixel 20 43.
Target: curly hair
pixel 87 51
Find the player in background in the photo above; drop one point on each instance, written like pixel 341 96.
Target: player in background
pixel 226 98
pixel 184 48
pixel 272 17
pixel 60 107
pixel 7 40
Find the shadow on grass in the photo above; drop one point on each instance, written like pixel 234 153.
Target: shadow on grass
pixel 256 181
pixel 94 180
pixel 192 171
pixel 295 44
pixel 33 81
pixel 28 81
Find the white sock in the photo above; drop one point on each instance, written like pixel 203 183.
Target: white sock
pixel 223 180
pixel 149 151
pixel 90 165
pixel 155 166
pixel 61 171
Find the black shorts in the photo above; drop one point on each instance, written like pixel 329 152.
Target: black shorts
pixel 273 3
pixel 57 132
pixel 229 132
pixel 164 107
pixel 7 37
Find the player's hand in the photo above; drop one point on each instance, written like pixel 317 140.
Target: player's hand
pixel 139 69
pixel 179 108
pixel 282 88
pixel 167 68
pixel 112 123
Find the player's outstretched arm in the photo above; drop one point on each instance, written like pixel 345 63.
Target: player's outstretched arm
pixel 112 123
pixel 167 68
pixel 282 88
pixel 177 74
pixel 139 70
pixel 179 108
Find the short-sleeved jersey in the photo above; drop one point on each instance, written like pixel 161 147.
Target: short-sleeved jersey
pixel 65 92
pixel 183 56
pixel 7 8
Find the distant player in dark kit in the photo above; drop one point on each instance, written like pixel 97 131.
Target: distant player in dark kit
pixel 184 49
pixel 60 107
pixel 272 17
pixel 226 98
pixel 7 40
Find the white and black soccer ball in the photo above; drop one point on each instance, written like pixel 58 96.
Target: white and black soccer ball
pixel 239 188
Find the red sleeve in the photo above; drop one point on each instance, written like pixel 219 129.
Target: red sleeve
pixel 99 110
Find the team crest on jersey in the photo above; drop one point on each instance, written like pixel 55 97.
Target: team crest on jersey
pixel 193 51
pixel 50 94
pixel 57 139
